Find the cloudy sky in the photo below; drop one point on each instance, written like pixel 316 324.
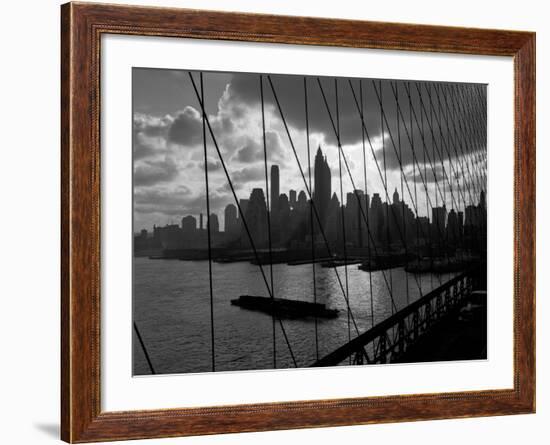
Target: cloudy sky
pixel 169 180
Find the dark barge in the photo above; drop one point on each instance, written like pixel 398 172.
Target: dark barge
pixel 283 307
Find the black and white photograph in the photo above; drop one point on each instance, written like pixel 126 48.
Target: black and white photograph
pixel 290 221
pixel 299 222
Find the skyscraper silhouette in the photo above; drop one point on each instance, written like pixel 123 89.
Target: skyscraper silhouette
pixel 322 190
pixel 189 224
pixel 292 198
pixel 213 223
pixel 230 217
pixel 452 227
pixel 439 220
pixel 274 192
pixel 256 218
pixel 396 197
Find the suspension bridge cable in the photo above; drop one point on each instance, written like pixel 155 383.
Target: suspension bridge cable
pixel 377 166
pixel 440 91
pixel 430 126
pixel 480 140
pixel 403 222
pixel 310 195
pixel 417 219
pixel 455 229
pixel 400 164
pixel 394 307
pixel 445 146
pixel 415 160
pixel 366 203
pixel 432 164
pixel 435 146
pixel 270 207
pixel 478 154
pixel 208 230
pixel 464 129
pixel 475 139
pixel 411 110
pixel 397 154
pixel 395 151
pixel 385 180
pixel 457 143
pixel 427 160
pixel 312 226
pixel 342 210
pixel 481 128
pixel 473 152
pixel 427 157
pixel 144 349
pixel 442 169
pixel 458 118
pixel 245 225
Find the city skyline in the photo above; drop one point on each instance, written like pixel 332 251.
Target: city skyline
pixel 290 215
pixel 321 198
pixel 168 149
pixel 287 220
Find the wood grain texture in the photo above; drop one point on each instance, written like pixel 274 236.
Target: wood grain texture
pixel 81 28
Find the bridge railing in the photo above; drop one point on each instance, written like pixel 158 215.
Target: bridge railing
pixel 390 339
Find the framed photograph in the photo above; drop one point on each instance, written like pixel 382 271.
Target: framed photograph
pixel 276 222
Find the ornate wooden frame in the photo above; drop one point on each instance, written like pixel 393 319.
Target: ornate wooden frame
pixel 81 28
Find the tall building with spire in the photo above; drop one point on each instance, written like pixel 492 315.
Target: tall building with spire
pixel 396 197
pixel 322 187
pixel 274 192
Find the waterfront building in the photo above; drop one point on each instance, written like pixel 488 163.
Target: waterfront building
pixel 213 223
pixel 292 198
pixel 189 224
pixel 256 219
pixel 452 227
pixel 231 222
pixel 301 204
pixel 376 218
pixel 439 218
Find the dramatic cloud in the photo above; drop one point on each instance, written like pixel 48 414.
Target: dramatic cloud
pixel 419 125
pixel 253 150
pixel 322 117
pixel 430 123
pixel 151 125
pixel 174 203
pixel 155 172
pixel 186 129
pixel 143 148
pixel 150 135
pixel 427 174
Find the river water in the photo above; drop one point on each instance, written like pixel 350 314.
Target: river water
pixel 172 312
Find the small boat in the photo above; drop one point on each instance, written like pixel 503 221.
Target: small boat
pixel 284 307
